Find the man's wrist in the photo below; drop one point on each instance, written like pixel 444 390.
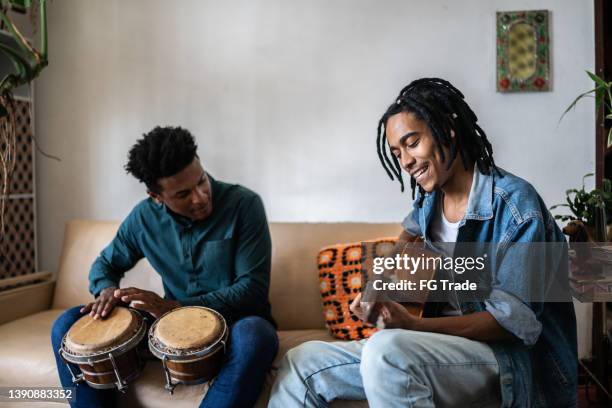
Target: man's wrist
pixel 414 323
pixel 111 287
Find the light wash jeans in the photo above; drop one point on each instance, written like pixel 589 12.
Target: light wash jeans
pixel 394 368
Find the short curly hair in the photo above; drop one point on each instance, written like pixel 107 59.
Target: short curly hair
pixel 162 152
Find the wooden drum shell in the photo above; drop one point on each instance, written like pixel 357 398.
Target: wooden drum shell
pixel 97 368
pixel 196 371
pixel 102 375
pixel 193 367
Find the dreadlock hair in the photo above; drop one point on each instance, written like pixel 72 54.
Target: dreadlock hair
pixel 442 106
pixel 162 152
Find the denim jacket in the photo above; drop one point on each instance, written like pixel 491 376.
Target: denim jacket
pixel 539 369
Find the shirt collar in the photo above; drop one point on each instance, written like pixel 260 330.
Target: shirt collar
pixel 179 219
pixel 480 201
pixel 214 189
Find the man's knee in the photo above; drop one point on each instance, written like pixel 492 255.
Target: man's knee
pixel 300 358
pixel 254 326
pixel 384 349
pixel 254 336
pixel 255 330
pixel 386 341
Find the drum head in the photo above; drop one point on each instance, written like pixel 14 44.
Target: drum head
pixel 188 328
pixel 89 335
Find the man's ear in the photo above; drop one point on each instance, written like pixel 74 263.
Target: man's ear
pixel 452 134
pixel 156 197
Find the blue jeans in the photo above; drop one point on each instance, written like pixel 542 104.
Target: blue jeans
pixel 252 347
pixel 394 368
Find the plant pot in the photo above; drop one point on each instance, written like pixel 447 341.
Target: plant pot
pixel 592 233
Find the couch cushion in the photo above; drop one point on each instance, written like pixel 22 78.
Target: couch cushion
pixel 26 358
pixel 294 292
pixel 32 404
pixel 83 242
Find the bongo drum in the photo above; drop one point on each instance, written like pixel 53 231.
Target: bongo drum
pixel 190 342
pixel 105 349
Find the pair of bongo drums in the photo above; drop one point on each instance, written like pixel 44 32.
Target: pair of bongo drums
pixel 190 342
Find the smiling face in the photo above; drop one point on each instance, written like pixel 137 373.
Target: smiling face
pixel 411 141
pixel 187 193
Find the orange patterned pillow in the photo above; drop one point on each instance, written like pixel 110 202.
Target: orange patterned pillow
pixel 341 276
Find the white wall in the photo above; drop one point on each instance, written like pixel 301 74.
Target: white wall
pixel 284 97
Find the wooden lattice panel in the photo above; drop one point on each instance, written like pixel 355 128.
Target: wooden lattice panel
pixel 23 176
pixel 17 250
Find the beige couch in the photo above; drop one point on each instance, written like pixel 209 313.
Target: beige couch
pixel 27 314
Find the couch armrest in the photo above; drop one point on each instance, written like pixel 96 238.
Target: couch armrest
pixel 26 300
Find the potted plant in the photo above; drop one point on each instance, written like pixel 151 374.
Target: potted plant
pixel 27 63
pixel 589 210
pixel 603 100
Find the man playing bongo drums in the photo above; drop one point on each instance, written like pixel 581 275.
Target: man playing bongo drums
pixel 210 243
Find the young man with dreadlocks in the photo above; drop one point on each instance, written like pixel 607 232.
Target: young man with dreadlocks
pixel 506 350
pixel 209 242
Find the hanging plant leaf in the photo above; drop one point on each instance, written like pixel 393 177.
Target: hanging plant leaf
pixel 598 81
pixel 21 3
pixel 573 104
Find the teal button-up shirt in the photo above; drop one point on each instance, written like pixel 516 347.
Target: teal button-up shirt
pixel 222 262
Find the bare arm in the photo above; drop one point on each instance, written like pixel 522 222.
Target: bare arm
pixel 480 326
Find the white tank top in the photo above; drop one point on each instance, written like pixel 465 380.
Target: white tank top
pixel 442 230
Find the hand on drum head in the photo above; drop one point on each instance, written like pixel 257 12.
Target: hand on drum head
pixel 103 305
pixel 146 300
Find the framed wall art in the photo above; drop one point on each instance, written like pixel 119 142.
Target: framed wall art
pixel 523 51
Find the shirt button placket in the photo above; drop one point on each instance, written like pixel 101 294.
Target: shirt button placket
pixel 186 245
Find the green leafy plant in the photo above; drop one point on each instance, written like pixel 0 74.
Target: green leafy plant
pixel 583 204
pixel 27 62
pixel 603 100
